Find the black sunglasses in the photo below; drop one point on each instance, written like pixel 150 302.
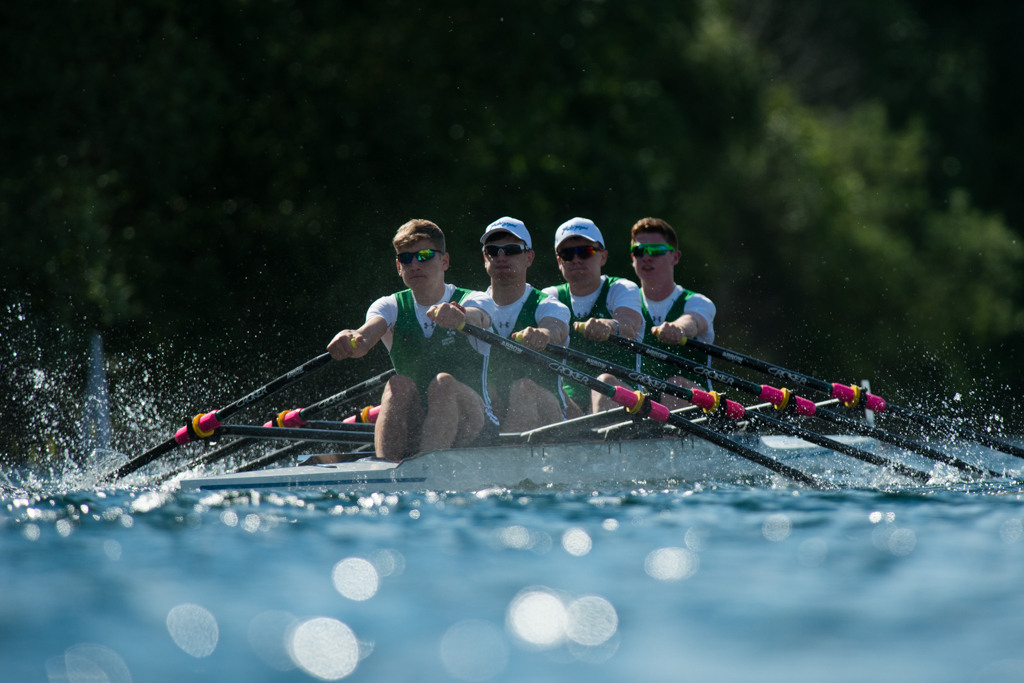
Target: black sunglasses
pixel 584 251
pixel 492 250
pixel 406 257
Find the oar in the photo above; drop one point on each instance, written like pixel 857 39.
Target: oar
pixel 782 399
pixel 296 433
pixel 292 418
pixel 700 397
pixel 204 424
pixel 852 395
pixel 637 404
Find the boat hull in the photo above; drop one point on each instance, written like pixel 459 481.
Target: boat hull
pixel 595 465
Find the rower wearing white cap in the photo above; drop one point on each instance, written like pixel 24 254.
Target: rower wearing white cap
pixel 604 305
pixel 523 396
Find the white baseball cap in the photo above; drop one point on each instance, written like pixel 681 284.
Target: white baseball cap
pixel 578 227
pixel 510 225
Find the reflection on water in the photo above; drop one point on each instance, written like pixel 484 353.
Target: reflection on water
pixel 153 584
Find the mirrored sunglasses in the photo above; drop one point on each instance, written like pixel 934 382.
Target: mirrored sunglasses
pixel 492 250
pixel 406 257
pixel 584 251
pixel 641 250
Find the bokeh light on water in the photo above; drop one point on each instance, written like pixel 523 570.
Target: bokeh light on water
pixel 325 648
pixel 356 579
pixel 542 618
pixel 193 629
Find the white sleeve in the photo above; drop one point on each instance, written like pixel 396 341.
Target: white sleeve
pixel 553 308
pixel 551 291
pixel 704 307
pixel 385 307
pixel 624 293
pixel 480 300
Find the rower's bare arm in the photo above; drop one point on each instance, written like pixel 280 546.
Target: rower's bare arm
pixel 478 317
pixel 686 326
pixel 557 330
pixel 357 343
pixel 630 322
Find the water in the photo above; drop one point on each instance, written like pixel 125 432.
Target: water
pixel 715 584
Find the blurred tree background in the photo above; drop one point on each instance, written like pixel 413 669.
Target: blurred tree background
pixel 225 177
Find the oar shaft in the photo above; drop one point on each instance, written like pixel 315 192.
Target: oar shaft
pixel 800 405
pixel 904 443
pixel 952 427
pixel 839 446
pixel 735 410
pixel 295 433
pixel 206 423
pixel 639 406
pixel 848 394
pixel 294 418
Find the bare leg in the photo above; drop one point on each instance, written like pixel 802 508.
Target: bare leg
pixel 455 414
pixel 599 402
pixel 400 419
pixel 530 406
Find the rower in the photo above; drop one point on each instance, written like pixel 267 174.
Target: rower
pixel 524 396
pixel 603 305
pixel 436 399
pixel 671 312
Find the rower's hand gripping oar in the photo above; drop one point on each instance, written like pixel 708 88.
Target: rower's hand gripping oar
pixel 204 424
pixel 783 399
pixel 637 404
pixel 854 396
pixel 711 401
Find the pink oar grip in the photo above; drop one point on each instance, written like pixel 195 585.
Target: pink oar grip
pixel 293 419
pixel 734 410
pixel 659 413
pixel 843 392
pixel 774 396
pixel 804 406
pixel 702 399
pixel 181 436
pixel 625 397
pixel 209 422
pixel 875 403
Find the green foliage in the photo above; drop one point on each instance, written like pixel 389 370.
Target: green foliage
pixel 235 170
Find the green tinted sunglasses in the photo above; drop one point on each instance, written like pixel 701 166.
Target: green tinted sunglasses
pixel 641 250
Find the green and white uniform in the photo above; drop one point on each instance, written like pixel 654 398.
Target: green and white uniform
pixel 502 367
pixel 613 293
pixel 655 313
pixel 420 350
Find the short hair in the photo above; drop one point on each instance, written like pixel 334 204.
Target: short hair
pixel 418 229
pixel 655 226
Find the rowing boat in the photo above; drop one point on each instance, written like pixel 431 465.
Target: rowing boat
pixel 594 453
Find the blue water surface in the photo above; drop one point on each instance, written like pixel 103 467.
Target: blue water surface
pixel 709 584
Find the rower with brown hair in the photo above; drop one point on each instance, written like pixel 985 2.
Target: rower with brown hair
pixel 671 312
pixel 435 400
